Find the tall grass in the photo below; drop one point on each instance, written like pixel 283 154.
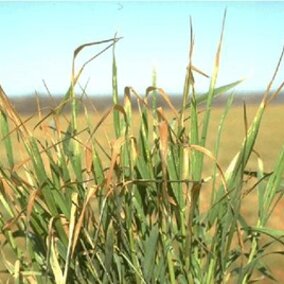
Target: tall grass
pixel 74 211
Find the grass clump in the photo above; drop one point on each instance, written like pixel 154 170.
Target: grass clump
pixel 76 211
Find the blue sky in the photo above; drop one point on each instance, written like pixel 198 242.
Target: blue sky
pixel 38 40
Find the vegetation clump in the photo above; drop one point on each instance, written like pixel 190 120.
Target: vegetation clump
pixel 76 211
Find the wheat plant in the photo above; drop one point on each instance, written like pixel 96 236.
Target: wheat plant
pixel 76 211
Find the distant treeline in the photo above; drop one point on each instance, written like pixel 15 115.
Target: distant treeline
pixel 28 104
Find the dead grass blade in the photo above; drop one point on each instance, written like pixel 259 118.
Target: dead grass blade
pixel 80 220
